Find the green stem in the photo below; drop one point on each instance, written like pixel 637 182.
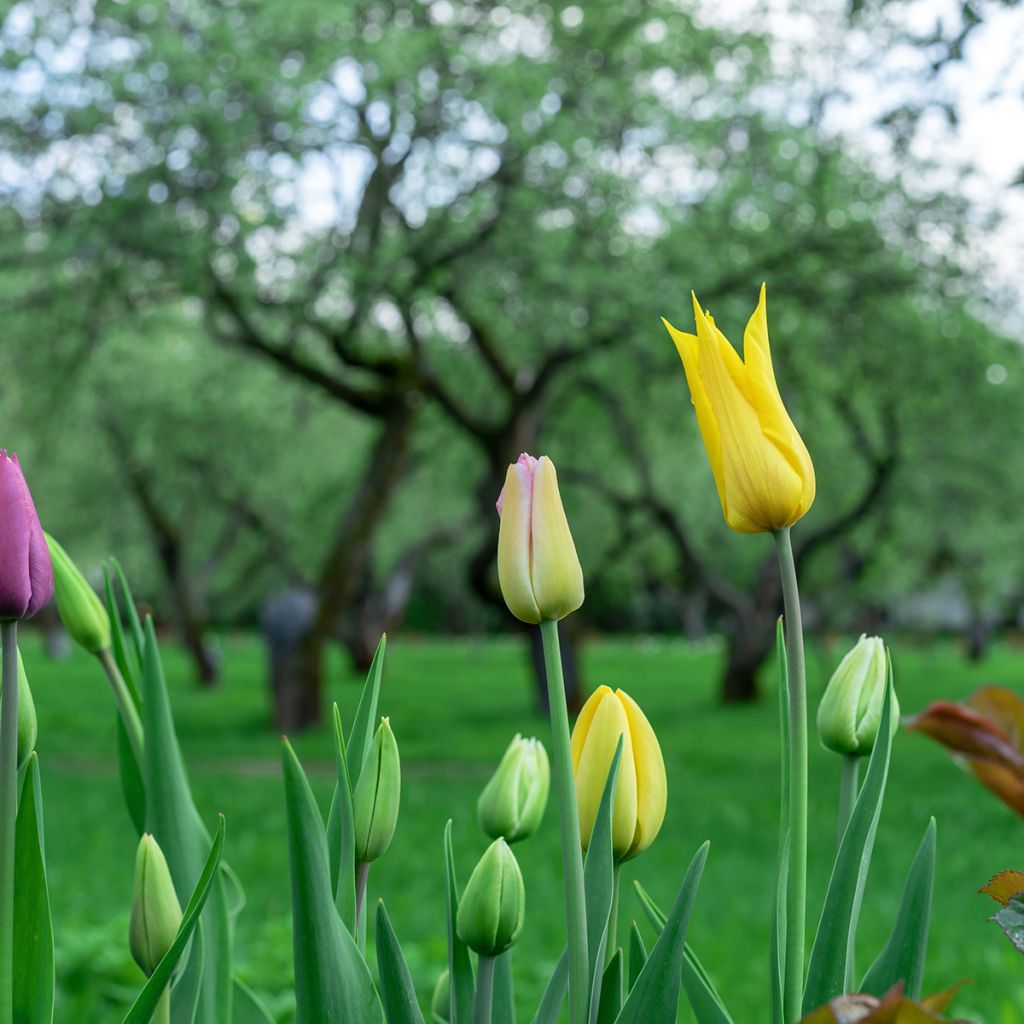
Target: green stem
pixel 162 1013
pixel 613 918
pixel 847 791
pixel 796 886
pixel 484 990
pixel 8 812
pixel 125 705
pixel 572 850
pixel 362 877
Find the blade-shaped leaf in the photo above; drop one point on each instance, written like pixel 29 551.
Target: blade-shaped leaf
pixel 32 995
pixel 396 987
pixel 903 957
pixel 611 991
pixel 247 1008
pixel 172 818
pixel 143 1007
pixel 132 787
pixel 136 633
pixel 460 967
pixel 332 982
pixel 827 970
pixel 129 663
pixel 554 995
pixel 341 835
pixel 637 953
pixel 503 1010
pixel 365 720
pixel 654 999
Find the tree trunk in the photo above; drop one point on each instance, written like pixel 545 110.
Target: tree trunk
pixel 748 644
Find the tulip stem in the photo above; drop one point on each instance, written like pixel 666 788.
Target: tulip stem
pixel 796 752
pixel 572 855
pixel 484 990
pixel 362 877
pixel 848 784
pixel 8 812
pixel 125 705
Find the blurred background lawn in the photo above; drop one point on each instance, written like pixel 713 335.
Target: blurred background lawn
pixel 454 706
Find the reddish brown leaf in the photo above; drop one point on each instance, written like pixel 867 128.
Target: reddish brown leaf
pixel 1004 885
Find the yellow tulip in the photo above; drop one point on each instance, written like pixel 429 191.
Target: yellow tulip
pixel 762 469
pixel 641 791
pixel 538 570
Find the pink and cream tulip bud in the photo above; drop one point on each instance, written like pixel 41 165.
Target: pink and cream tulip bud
pixel 538 570
pixel 26 575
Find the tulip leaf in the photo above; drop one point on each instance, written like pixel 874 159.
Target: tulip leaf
pixel 396 987
pixel 144 1006
pixel 32 994
pixel 554 995
pixel 246 1008
pixel 611 991
pixel 837 928
pixel 132 787
pixel 341 834
pixel 902 959
pixel 637 953
pixel 460 967
pixel 172 818
pixel 599 878
pixel 704 999
pixel 135 630
pixel 365 720
pixel 777 944
pixel 503 1010
pixel 128 662
pixel 332 982
pixel 188 990
pixel 654 999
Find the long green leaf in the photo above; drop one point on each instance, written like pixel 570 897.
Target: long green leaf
pixel 706 1003
pixel 32 995
pixel 777 944
pixel 173 820
pixel 127 662
pixel 554 995
pixel 637 953
pixel 654 999
pixel 503 1010
pixel 833 943
pixel 902 959
pixel 341 833
pixel 396 987
pixel 365 720
pixel 611 991
pixel 132 787
pixel 247 1008
pixel 332 982
pixel 460 967
pixel 135 630
pixel 143 1007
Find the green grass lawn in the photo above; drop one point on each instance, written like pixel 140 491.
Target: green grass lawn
pixel 454 705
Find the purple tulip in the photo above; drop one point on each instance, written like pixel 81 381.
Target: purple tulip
pixel 26 575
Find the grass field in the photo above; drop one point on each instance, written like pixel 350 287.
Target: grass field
pixel 454 705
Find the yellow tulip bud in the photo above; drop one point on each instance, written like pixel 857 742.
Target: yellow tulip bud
pixel 761 466
pixel 851 710
pixel 641 791
pixel 80 609
pixel 156 912
pixel 538 570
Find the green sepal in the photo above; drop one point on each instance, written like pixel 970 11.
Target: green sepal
pixel 144 1006
pixel 460 967
pixel 396 988
pixel 32 993
pixel 837 928
pixel 654 999
pixel 902 959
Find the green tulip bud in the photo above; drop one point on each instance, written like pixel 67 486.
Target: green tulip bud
pixel 376 798
pixel 851 710
pixel 156 912
pixel 491 911
pixel 441 1003
pixel 28 725
pixel 80 608
pixel 512 803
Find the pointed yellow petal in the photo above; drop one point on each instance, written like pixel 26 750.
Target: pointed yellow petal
pixel 651 781
pixel 583 720
pixel 555 568
pixel 514 545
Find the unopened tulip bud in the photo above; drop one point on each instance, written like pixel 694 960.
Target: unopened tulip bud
pixel 26 576
pixel 641 790
pixel 156 912
pixel 80 609
pixel 441 1003
pixel 491 911
pixel 512 803
pixel 851 710
pixel 28 726
pixel 377 795
pixel 538 570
